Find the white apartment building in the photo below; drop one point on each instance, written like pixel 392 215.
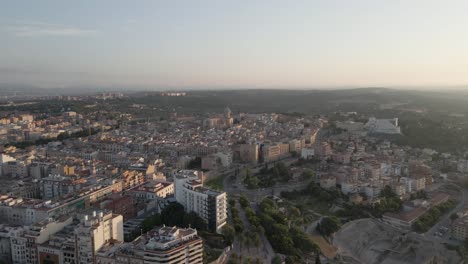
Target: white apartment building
pixel 169 245
pixel 3 160
pixel 173 245
pixel 15 168
pixel 307 153
pixel 225 157
pixel 462 166
pixel 383 126
pixel 210 205
pixel 38 170
pixel 56 186
pixel 95 231
pixel 24 240
pixel 152 190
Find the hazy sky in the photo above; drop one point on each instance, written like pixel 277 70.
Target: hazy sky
pixel 255 44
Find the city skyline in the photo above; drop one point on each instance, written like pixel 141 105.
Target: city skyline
pixel 255 44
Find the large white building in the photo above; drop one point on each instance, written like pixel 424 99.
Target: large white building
pixel 24 240
pixel 3 160
pixel 56 186
pixel 15 168
pixel 383 126
pixel 173 245
pixel 210 205
pixel 168 245
pixel 95 231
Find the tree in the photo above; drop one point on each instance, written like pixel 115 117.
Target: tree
pixel 317 259
pixel 308 174
pixel 228 232
pixel 453 216
pixel 150 222
pixel 193 220
pixel 247 173
pixel 387 192
pixel 175 215
pixel 328 225
pixel 256 240
pixel 195 163
pixel 294 212
pixel 243 201
pixel 276 260
pixel 302 240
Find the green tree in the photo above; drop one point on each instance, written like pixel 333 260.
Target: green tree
pixel 308 174
pixel 317 259
pixel 243 201
pixel 276 260
pixel 194 163
pixel 328 225
pixel 228 232
pixel 453 216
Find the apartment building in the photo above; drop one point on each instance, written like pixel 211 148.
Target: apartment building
pixel 55 186
pixel 172 245
pixel 460 228
pixel 271 152
pixel 210 205
pixel 249 153
pixel 95 231
pixel 24 240
pixel 169 245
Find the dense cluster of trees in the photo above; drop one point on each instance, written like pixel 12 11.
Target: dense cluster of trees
pixel 235 259
pixel 267 177
pixel 313 189
pixel 250 180
pixel 421 194
pixel 243 201
pixel 312 161
pixel 431 217
pixel 281 172
pixel 351 212
pixel 328 226
pixel 174 215
pixel 229 233
pixel 440 133
pixel 334 130
pixel 238 225
pixel 194 164
pixel 389 202
pixel 291 241
pixel 252 236
pixel 308 174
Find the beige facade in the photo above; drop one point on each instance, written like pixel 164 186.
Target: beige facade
pixel 460 228
pixel 249 153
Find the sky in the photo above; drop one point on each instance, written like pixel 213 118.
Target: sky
pixel 234 44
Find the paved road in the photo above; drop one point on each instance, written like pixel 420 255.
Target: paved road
pixel 446 222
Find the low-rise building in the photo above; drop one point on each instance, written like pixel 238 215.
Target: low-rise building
pixel 328 181
pixel 307 153
pixel 249 153
pixel 460 228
